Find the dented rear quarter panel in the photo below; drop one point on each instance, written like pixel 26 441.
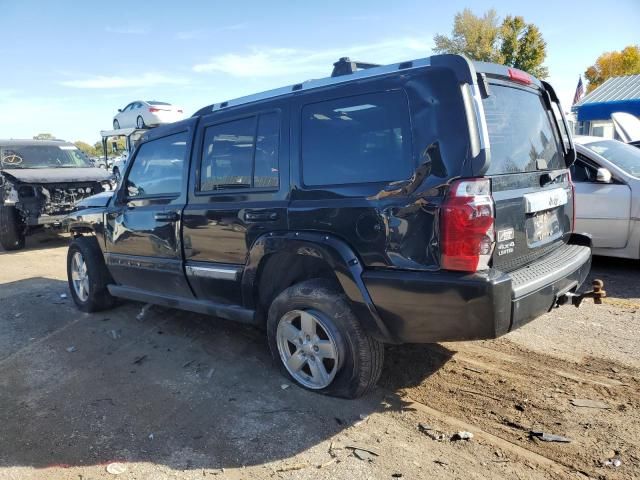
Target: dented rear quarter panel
pixel 392 225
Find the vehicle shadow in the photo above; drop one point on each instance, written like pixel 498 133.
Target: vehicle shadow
pixel 41 241
pixel 621 276
pixel 171 388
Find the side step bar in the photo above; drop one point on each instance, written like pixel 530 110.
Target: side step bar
pixel 228 312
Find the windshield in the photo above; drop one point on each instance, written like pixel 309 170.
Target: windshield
pixel 42 156
pixel 620 154
pixel 521 135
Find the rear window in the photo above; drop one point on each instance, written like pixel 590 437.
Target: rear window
pixel 360 139
pixel 153 102
pixel 521 135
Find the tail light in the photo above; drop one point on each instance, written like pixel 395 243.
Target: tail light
pixel 519 76
pixel 180 110
pixel 467 226
pixel 154 109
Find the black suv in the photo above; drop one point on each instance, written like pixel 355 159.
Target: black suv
pixel 418 202
pixel 40 183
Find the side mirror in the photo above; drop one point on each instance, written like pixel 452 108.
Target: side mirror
pixel 119 110
pixel 603 176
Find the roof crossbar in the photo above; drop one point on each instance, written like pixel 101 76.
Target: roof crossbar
pixel 346 66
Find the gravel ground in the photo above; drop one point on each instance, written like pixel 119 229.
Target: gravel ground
pixel 183 396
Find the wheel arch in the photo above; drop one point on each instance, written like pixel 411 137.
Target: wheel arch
pixel 307 255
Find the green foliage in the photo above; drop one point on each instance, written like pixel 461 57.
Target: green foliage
pixel 613 64
pixel 475 37
pixel 513 42
pixel 86 148
pixel 522 46
pixel 44 136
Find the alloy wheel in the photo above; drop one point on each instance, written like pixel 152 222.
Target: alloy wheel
pixel 80 276
pixel 307 348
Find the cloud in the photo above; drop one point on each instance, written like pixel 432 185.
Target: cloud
pixel 144 80
pixel 188 35
pixel 197 34
pixel 281 62
pixel 127 30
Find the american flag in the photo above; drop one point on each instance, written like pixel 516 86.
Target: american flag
pixel 579 91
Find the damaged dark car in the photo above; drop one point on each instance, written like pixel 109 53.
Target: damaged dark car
pixel 40 183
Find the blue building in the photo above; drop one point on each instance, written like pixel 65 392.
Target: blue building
pixel 617 94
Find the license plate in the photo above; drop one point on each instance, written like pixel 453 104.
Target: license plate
pixel 538 201
pixel 545 227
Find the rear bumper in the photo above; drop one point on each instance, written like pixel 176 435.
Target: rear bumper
pixel 424 307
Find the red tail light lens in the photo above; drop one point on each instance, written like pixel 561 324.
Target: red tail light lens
pixel 467 226
pixel 519 76
pixel 180 111
pixel 154 109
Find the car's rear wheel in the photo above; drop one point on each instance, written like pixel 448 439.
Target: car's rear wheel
pixel 140 122
pixel 116 125
pixel 318 342
pixel 116 173
pixel 12 235
pixel 88 276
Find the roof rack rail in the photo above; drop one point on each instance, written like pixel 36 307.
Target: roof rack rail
pixel 346 66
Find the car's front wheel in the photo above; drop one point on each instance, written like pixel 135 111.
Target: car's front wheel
pixel 140 122
pixel 12 233
pixel 88 276
pixel 319 343
pixel 116 125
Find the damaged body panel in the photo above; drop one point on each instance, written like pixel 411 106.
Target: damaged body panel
pixel 432 196
pixel 40 183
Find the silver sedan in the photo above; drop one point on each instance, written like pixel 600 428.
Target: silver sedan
pixel 606 175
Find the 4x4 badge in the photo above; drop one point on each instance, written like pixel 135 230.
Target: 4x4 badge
pixel 506 235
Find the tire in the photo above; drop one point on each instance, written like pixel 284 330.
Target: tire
pixel 98 297
pixel 140 122
pixel 116 125
pixel 12 233
pixel 116 173
pixel 359 356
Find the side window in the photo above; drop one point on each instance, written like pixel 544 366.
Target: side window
pixel 582 172
pixel 360 139
pixel 158 167
pixel 266 158
pixel 241 154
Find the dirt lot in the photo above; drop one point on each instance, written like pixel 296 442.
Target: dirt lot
pixel 178 395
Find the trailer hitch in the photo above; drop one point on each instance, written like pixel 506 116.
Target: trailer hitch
pixel 597 293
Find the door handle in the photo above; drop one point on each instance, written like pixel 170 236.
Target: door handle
pixel 166 217
pixel 264 216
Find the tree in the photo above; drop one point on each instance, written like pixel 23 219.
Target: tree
pixel 86 148
pixel 513 42
pixel 522 46
pixel 475 37
pixel 44 136
pixel 613 64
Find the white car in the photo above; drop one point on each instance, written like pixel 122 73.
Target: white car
pixel 606 175
pixel 141 114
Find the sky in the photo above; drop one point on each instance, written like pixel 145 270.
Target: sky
pixel 67 66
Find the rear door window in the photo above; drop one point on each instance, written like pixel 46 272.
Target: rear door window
pixel 521 135
pixel 241 154
pixel 359 139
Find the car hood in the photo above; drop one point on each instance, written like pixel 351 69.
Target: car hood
pixel 57 175
pixel 95 201
pixel 627 126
